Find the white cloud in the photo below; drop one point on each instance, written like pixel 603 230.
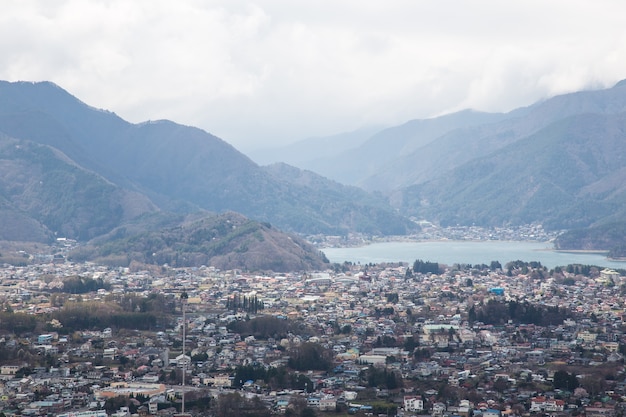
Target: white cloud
pixel 256 72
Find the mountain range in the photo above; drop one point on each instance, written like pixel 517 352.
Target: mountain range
pixel 70 170
pixel 559 162
pixel 75 171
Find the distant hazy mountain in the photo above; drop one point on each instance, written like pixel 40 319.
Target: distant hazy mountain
pixel 309 153
pixel 421 150
pixel 177 167
pixel 559 162
pixel 461 144
pixel 74 170
pixel 360 165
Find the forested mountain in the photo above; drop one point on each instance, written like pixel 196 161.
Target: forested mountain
pixel 178 168
pixel 72 170
pixel 44 194
pixel 558 162
pixel 571 174
pixel 360 165
pixel 460 145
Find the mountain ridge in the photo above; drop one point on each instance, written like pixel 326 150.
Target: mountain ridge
pixel 555 162
pixel 178 167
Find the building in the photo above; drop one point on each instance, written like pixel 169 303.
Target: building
pixel 98 413
pixel 413 403
pixel 328 403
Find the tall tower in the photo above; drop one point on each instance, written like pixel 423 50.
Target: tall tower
pixel 183 302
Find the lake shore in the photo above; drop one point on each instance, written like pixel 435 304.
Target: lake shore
pixel 473 252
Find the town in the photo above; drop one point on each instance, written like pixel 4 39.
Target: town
pixel 392 339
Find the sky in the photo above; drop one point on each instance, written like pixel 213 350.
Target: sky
pixel 266 73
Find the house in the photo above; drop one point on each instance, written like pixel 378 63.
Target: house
pixel 328 403
pixel 109 354
pixel 543 404
pixel 586 336
pixel 413 403
pixel 373 359
pixel 313 401
pixel 96 413
pixel 599 412
pixel 491 412
pixel 218 381
pixel 438 409
pixel 9 370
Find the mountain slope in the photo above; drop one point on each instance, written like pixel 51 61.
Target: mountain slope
pixel 570 174
pixel 178 167
pixel 462 144
pixel 346 207
pixel 226 241
pixel 44 194
pixel 610 237
pixel 359 166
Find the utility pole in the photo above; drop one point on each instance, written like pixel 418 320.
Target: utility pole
pixel 183 301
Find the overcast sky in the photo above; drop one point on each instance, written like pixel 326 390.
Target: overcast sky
pixel 257 73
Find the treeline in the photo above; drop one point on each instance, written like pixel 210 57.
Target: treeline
pixel 82 285
pixel 493 266
pixel 78 316
pixel 309 357
pixel 424 267
pixel 500 312
pixel 277 378
pixel 236 405
pixel 17 323
pixel 250 305
pixel 585 270
pixel 157 304
pixel 264 327
pixel 81 316
pixel 381 378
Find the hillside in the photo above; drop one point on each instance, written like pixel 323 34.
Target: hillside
pixel 361 212
pixel 74 171
pixel 461 144
pixel 610 237
pixel 226 241
pixel 43 194
pixel 420 150
pixel 362 164
pixel 568 175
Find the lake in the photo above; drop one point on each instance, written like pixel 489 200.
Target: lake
pixel 467 252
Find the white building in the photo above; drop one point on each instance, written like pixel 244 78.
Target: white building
pixel 413 403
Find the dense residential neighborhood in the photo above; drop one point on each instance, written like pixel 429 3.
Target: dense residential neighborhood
pixel 391 339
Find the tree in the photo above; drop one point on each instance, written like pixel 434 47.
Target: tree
pixel 234 405
pixel 565 380
pixel 296 406
pixel 501 384
pixel 310 356
pixel 593 384
pixel 392 297
pixel 422 267
pixel 308 412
